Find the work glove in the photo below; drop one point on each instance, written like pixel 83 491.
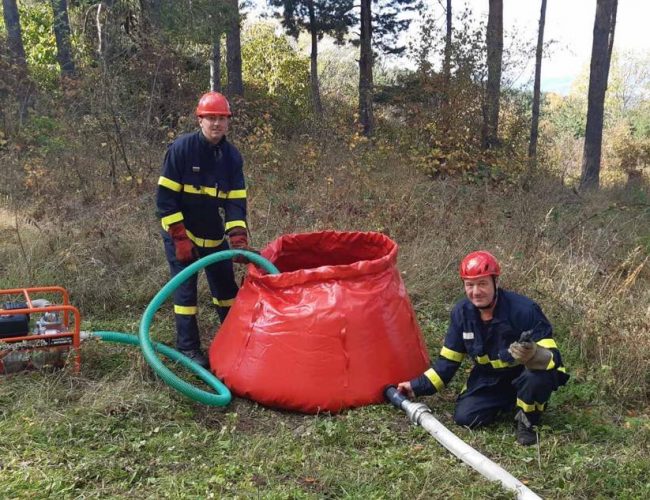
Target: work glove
pixel 531 355
pixel 185 250
pixel 238 238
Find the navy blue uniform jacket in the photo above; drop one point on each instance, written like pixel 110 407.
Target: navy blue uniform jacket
pixel 487 343
pixel 199 179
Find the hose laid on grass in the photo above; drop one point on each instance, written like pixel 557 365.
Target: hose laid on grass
pixel 223 395
pixel 420 414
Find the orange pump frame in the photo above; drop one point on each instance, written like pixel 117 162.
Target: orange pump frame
pixel 69 331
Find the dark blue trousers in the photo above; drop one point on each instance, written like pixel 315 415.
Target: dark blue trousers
pixel 221 280
pixel 490 393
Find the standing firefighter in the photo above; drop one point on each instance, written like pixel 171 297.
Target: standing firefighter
pixel 516 361
pixel 202 175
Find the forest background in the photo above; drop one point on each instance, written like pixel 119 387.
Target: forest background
pixel 438 157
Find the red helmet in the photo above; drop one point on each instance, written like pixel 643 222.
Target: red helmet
pixel 479 264
pixel 213 103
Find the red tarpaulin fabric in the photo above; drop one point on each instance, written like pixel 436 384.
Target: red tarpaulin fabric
pixel 328 333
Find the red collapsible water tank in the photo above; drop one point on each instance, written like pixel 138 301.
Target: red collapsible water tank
pixel 327 333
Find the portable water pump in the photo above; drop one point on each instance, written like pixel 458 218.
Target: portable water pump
pixel 37 333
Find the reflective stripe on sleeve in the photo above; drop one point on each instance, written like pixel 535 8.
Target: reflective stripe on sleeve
pixel 434 378
pixel 171 219
pixel 170 184
pixel 452 355
pixel 548 343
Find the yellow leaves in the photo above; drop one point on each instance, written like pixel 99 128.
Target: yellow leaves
pixel 35 171
pixel 138 180
pixel 357 140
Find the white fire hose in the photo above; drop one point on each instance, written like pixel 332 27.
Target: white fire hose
pixel 420 414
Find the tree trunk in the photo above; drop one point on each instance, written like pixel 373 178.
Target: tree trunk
pixel 215 65
pixel 313 74
pixel 604 25
pixel 14 38
pixel 447 62
pixel 534 126
pixel 446 68
pixel 233 49
pixel 62 34
pixel 365 69
pixel 493 90
pixel 24 87
pixel 152 13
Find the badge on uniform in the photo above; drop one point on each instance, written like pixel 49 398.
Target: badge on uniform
pixel 196 170
pixel 468 335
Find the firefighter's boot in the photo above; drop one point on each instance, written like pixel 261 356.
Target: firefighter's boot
pixel 526 435
pixel 197 356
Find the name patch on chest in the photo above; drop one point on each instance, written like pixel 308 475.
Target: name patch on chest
pixel 468 335
pixel 196 169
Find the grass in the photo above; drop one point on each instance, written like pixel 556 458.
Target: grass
pixel 114 430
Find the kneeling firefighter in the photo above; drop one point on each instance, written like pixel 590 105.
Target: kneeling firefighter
pixel 517 364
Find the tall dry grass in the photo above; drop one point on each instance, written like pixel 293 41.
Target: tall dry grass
pixel 584 258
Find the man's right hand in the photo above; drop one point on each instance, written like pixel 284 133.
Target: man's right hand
pixel 406 389
pixel 185 250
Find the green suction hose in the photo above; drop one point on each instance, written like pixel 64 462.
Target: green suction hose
pixel 222 396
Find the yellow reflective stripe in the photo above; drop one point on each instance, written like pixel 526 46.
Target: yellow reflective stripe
pixel 483 360
pixel 525 406
pixel 170 184
pixel 561 369
pixel 451 355
pixel 187 310
pixel 535 406
pixel 435 379
pixel 548 343
pixel 551 363
pixel 236 194
pixel 171 219
pixel 223 302
pixel 210 191
pixel 222 194
pixel 203 242
pixel 496 363
pixel 235 223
